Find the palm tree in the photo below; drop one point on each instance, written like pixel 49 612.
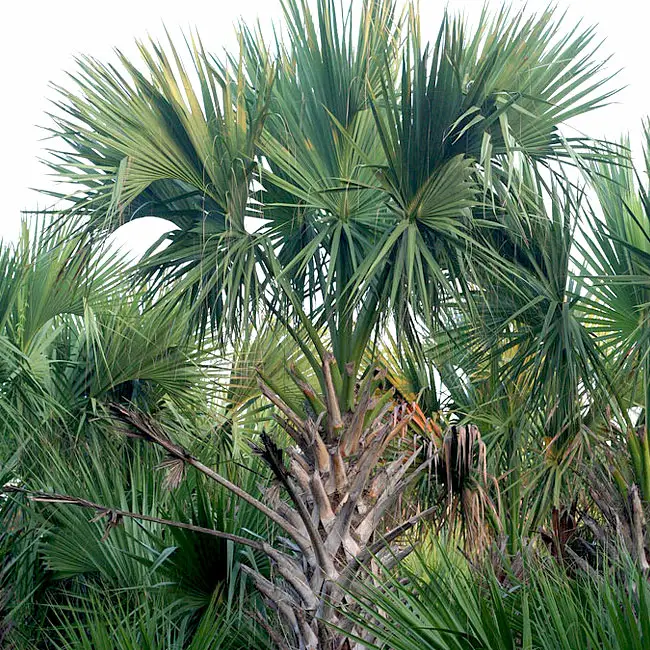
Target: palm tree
pixel 369 156
pixel 385 172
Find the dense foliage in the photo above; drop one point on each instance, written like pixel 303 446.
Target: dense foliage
pixel 391 359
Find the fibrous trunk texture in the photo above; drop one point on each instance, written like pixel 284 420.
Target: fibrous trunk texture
pixel 334 488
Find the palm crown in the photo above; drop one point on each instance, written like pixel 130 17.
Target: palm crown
pixel 378 164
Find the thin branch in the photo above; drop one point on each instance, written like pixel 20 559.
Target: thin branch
pixel 47 497
pixel 148 432
pixel 271 395
pixel 284 563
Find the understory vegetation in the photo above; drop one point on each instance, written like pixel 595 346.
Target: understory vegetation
pixel 383 383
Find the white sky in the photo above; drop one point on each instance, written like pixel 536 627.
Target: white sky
pixel 38 39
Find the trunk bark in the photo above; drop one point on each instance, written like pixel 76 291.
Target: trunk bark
pixel 340 483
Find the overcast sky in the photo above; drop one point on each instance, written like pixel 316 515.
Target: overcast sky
pixel 39 38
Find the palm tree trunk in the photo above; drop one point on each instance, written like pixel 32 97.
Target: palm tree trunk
pixel 341 481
